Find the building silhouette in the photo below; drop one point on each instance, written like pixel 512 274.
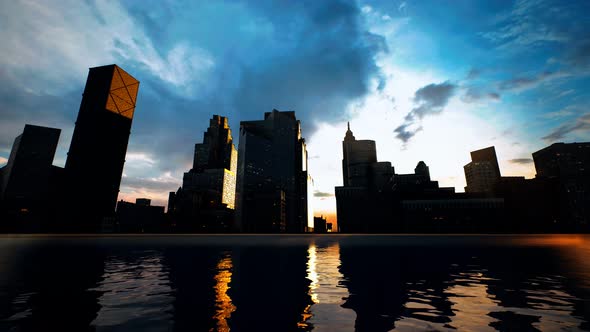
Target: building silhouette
pixel 94 165
pixel 375 199
pixel 273 181
pixel 567 165
pixel 206 200
pixel 28 180
pixel 139 217
pixel 483 172
pixel 358 203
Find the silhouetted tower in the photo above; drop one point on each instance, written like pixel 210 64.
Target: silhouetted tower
pixel 422 170
pixel 568 164
pixel 272 175
pixel 358 156
pixel 26 176
pixel 483 172
pixel 97 154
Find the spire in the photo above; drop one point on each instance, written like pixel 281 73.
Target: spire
pixel 349 135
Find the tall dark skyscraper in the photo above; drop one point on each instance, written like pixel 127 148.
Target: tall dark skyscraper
pixel 273 180
pixel 27 173
pixel 28 180
pixel 568 164
pixel 358 156
pixel 483 172
pixel 97 153
pixel 363 178
pixel 206 200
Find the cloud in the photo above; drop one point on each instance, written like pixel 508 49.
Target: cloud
pixel 405 133
pixel 522 83
pixel 473 95
pixel 428 100
pixel 322 194
pixel 522 161
pixel 311 57
pixel 160 184
pixel 562 113
pixel 535 23
pixel 581 124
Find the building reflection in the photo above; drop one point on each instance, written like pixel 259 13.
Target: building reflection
pixel 136 293
pixel 55 289
pixel 192 275
pixel 444 288
pixel 269 287
pixel 326 291
pixel 223 303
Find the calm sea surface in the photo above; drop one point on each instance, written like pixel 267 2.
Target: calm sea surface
pixel 288 283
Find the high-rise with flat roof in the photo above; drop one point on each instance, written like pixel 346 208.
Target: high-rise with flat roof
pixel 568 164
pixel 272 182
pixel 483 172
pixel 99 144
pixel 28 170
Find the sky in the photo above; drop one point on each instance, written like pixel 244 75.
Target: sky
pixel 427 80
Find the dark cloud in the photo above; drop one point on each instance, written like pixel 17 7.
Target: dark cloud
pixel 581 124
pixel 312 57
pixel 404 133
pixel 473 94
pixel 322 194
pixel 522 161
pixel 317 58
pixel 430 99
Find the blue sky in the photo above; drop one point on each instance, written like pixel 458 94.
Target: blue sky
pixel 428 80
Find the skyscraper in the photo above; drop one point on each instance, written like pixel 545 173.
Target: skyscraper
pixel 358 201
pixel 483 172
pixel 27 173
pixel 207 198
pixel 27 180
pixel 272 182
pixel 568 164
pixel 97 153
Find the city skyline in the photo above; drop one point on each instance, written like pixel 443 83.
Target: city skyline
pixel 422 91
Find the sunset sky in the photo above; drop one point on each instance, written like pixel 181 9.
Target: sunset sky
pixel 427 80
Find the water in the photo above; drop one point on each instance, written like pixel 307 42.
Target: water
pixel 289 283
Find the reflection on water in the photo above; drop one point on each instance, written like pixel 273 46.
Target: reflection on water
pixel 223 302
pixel 136 293
pixel 289 283
pixel 326 291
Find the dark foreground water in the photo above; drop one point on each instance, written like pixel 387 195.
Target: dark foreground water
pixel 287 283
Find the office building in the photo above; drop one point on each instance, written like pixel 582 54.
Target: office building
pixel 362 201
pixel 206 200
pixel 483 172
pixel 95 161
pixel 28 180
pixel 568 164
pixel 272 175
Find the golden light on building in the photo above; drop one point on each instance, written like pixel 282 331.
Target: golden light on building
pixel 122 93
pixel 223 303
